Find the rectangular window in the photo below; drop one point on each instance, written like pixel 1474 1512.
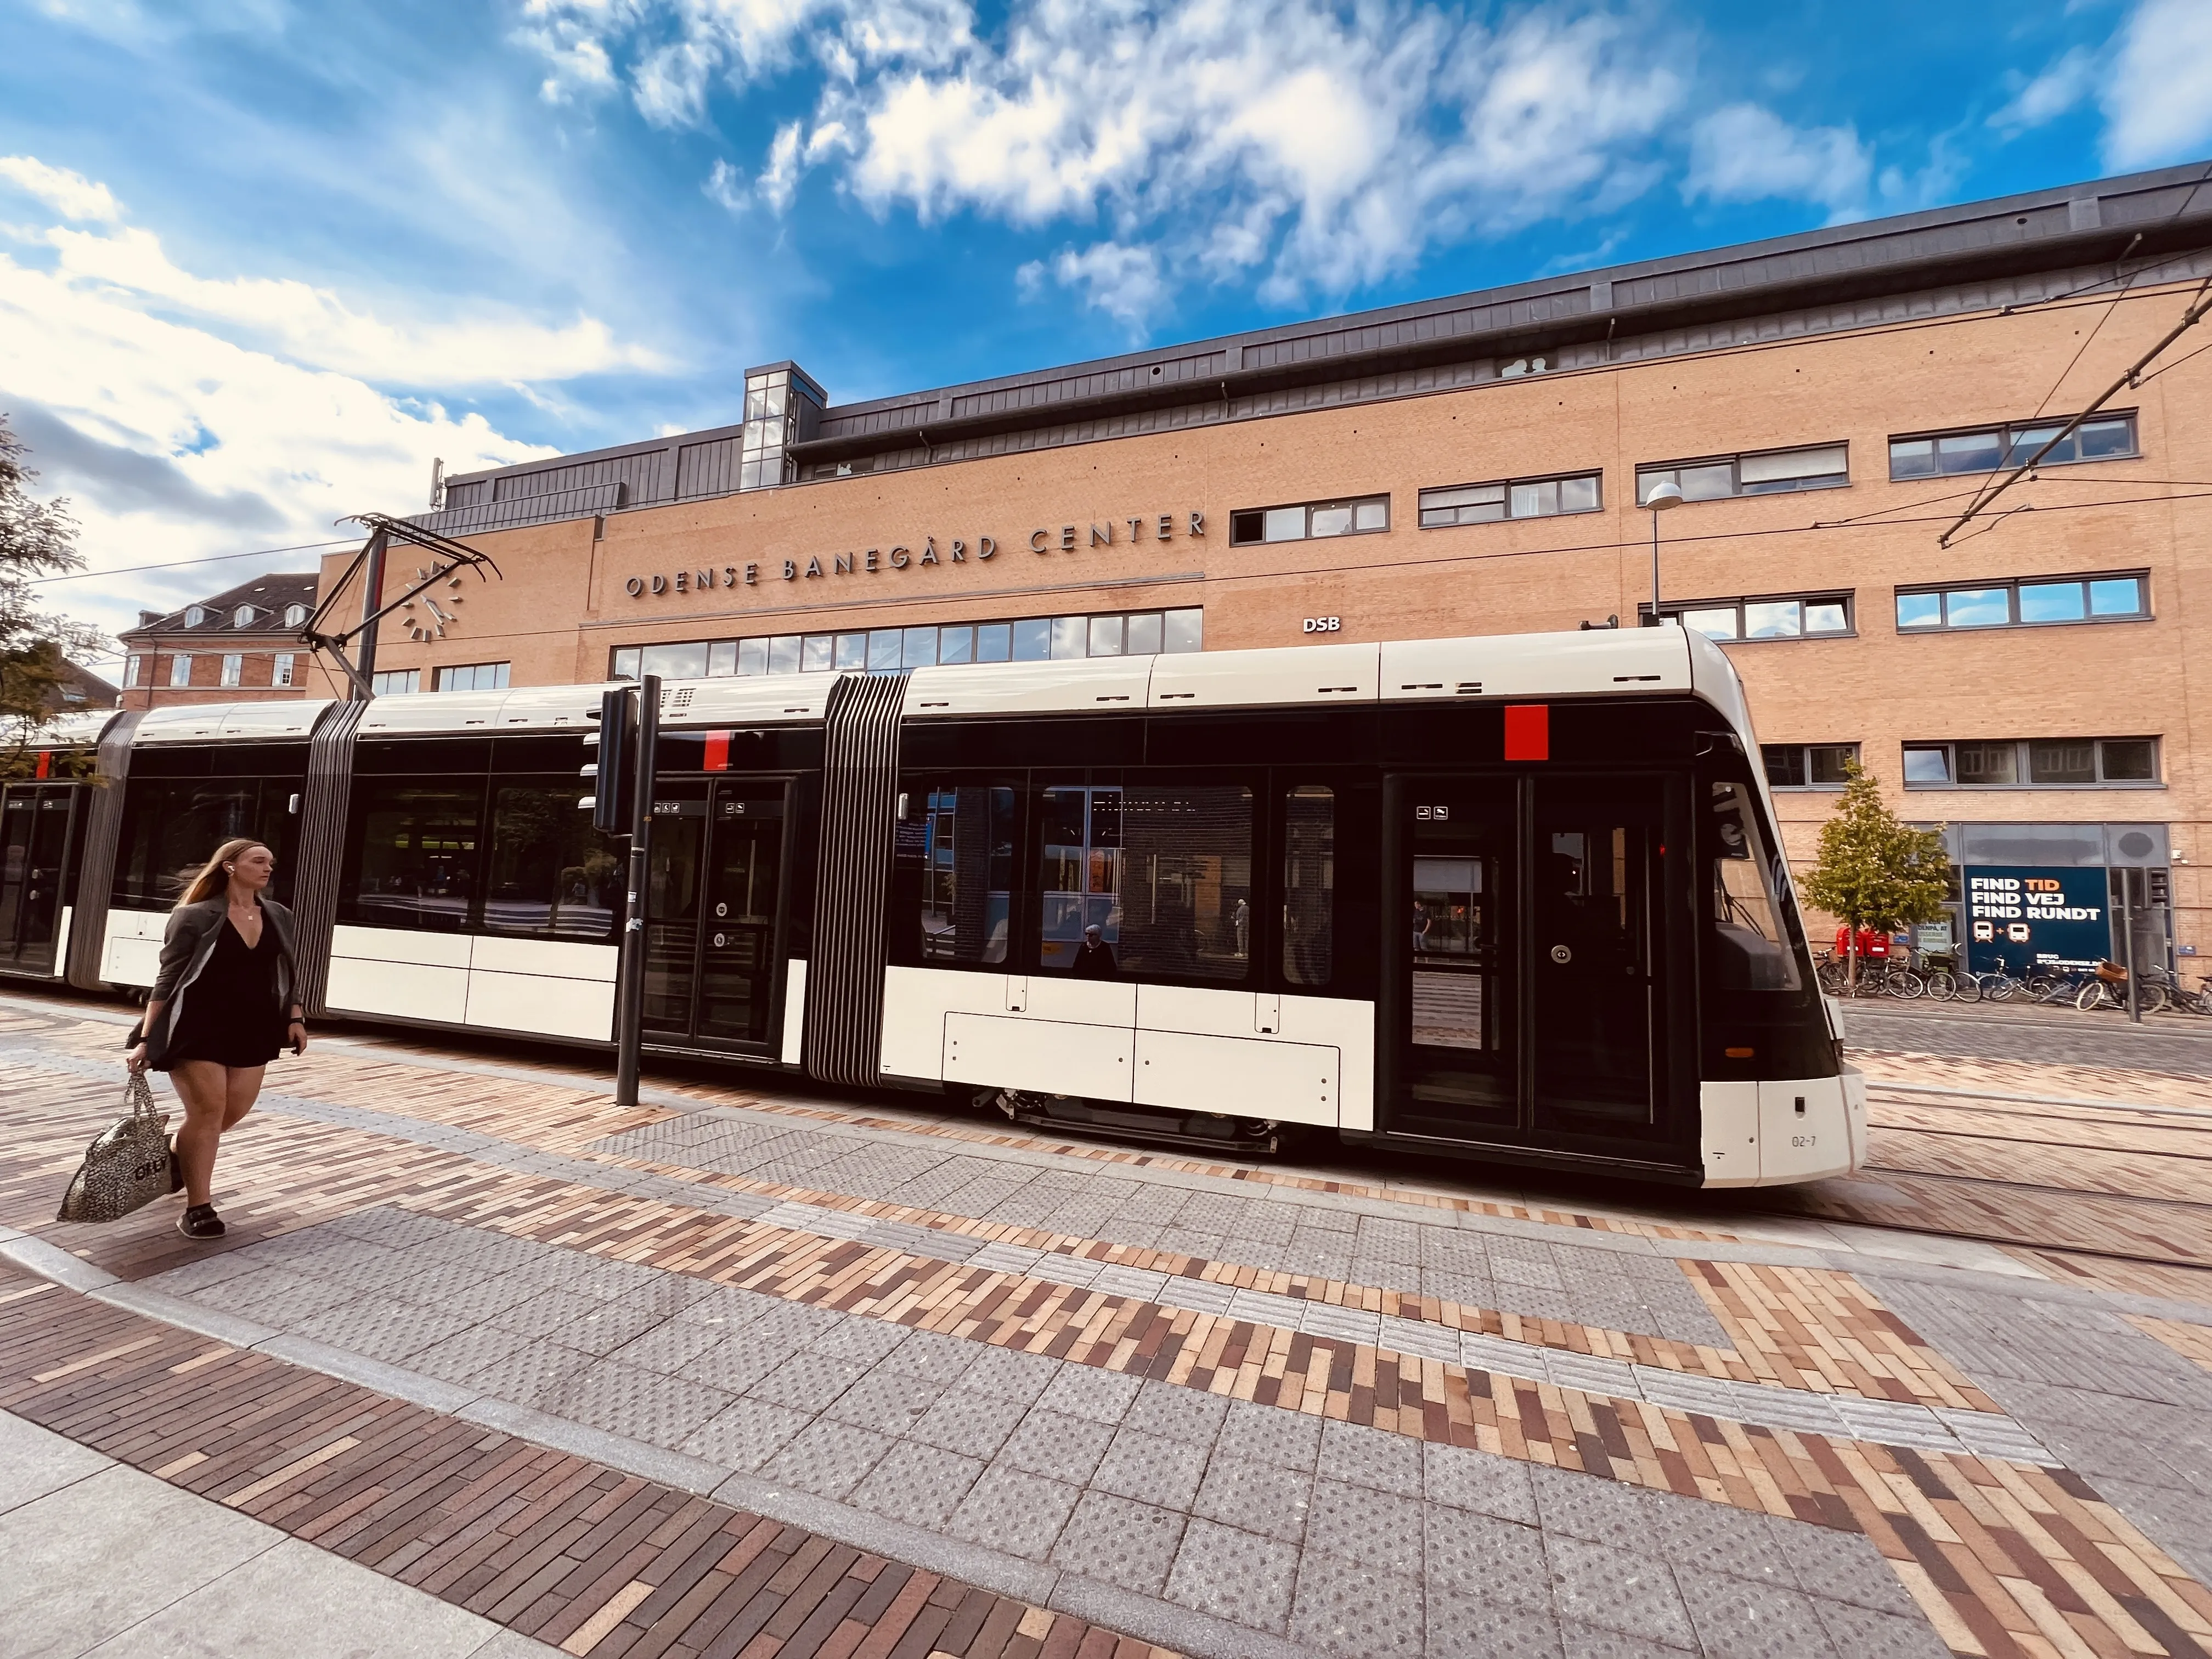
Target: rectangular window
pixel 1776 617
pixel 396 682
pixel 551 875
pixel 2108 437
pixel 2033 763
pixel 1807 765
pixel 133 671
pixel 1511 498
pixel 415 853
pixel 482 677
pixel 1186 882
pixel 1308 884
pixel 234 668
pixel 282 667
pixel 952 878
pixel 1762 472
pixel 1364 516
pixel 171 826
pixel 1752 946
pixel 897 650
pixel 2027 602
pixel 180 669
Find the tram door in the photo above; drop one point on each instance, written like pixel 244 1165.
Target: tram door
pixel 35 821
pixel 1524 992
pixel 1457 922
pixel 714 909
pixel 1594 908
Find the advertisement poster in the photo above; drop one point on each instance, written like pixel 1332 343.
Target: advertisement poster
pixel 2023 916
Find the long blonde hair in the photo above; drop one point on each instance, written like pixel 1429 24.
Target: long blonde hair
pixel 213 879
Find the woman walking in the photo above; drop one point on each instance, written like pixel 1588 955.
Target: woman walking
pixel 225 1002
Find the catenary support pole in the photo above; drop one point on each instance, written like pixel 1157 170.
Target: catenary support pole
pixel 629 1017
pixel 372 596
pixel 2128 944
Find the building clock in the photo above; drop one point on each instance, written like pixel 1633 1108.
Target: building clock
pixel 436 612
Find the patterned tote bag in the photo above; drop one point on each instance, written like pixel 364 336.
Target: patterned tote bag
pixel 126 1166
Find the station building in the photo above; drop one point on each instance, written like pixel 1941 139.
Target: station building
pixel 1828 405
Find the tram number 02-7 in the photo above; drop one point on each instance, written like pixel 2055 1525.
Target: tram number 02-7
pixel 1804 1140
pixel 1323 624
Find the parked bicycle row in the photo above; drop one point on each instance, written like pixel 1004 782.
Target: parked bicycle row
pixel 1907 976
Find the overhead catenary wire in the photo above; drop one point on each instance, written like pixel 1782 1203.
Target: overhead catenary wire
pixel 179 564
pixel 2198 306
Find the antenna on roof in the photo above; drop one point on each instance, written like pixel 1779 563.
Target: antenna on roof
pixel 437 484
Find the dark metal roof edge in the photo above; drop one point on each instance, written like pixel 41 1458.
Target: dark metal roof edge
pixel 1568 283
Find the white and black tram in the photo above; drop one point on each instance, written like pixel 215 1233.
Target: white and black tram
pixel 1516 898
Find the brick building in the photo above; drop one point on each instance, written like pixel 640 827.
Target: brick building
pixel 240 645
pixel 1826 404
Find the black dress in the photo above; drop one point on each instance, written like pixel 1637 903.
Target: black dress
pixel 230 1014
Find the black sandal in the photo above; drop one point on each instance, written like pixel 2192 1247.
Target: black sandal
pixel 200 1221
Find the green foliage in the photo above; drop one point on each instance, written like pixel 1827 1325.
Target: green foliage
pixel 37 538
pixel 1875 871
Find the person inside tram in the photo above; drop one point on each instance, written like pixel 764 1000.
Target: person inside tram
pixel 1094 958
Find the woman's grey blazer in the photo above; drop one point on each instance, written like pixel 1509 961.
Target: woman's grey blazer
pixel 194 931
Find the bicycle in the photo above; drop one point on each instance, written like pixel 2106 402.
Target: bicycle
pixel 2109 989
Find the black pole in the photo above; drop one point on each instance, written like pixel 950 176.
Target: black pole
pixel 372 597
pixel 2128 944
pixel 629 1015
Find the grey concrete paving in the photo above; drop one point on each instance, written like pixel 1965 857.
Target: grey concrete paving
pixel 1277 1230
pixel 2181 1043
pixel 2131 1414
pixel 98 1559
pixel 1332 1537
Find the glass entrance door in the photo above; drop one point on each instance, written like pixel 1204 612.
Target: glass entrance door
pixel 1457 942
pixel 1594 923
pixel 35 821
pixel 715 886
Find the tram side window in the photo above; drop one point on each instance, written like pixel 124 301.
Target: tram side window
pixel 1308 884
pixel 1753 950
pixel 551 875
pixel 416 862
pixel 952 889
pixel 1186 882
pixel 172 826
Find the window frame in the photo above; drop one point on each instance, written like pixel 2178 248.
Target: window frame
pixel 1352 503
pixel 2007 434
pixel 412 676
pixel 284 668
pixel 367 790
pixel 180 670
pixel 233 671
pixel 501 673
pixel 1734 464
pixel 2022 762
pixel 1180 630
pixel 1506 487
pixel 1856 751
pixel 2012 585
pixel 1675 610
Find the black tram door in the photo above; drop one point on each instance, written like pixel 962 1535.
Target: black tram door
pixel 1455 925
pixel 1596 909
pixel 714 912
pixel 36 820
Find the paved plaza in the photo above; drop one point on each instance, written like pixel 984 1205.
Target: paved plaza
pixel 489 1366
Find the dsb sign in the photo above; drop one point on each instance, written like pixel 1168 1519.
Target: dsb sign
pixel 1323 624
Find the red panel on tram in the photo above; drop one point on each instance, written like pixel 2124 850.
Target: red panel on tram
pixel 1527 730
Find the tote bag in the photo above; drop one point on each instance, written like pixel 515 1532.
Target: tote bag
pixel 126 1166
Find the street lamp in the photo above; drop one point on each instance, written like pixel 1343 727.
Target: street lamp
pixel 1665 494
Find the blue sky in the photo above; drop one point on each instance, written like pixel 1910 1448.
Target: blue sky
pixel 261 261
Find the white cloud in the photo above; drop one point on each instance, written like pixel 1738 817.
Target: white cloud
pixel 779 179
pixel 1316 145
pixel 1747 153
pixel 726 188
pixel 2158 98
pixel 187 418
pixel 2060 87
pixel 314 325
pixel 1125 282
pixel 69 194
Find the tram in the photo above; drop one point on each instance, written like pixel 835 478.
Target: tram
pixel 1515 898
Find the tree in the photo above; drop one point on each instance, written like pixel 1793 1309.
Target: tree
pixel 37 538
pixel 1874 872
